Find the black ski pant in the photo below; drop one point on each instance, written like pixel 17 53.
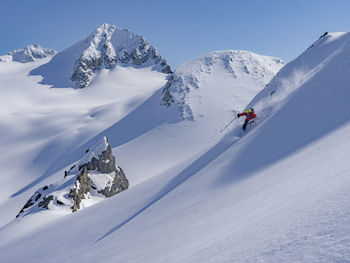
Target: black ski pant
pixel 245 124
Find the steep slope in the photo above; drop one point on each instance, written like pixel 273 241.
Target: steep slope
pixel 104 48
pixel 311 93
pixel 122 103
pixel 212 107
pixel 28 54
pixel 278 193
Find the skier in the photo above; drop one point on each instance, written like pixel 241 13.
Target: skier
pixel 250 113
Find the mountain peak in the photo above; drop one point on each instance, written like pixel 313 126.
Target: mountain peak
pixel 106 47
pixel 29 53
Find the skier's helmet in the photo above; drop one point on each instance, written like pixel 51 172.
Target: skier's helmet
pixel 248 110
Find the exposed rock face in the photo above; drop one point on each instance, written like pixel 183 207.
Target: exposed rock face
pixel 81 188
pixel 28 54
pixel 175 92
pixel 108 46
pixel 96 175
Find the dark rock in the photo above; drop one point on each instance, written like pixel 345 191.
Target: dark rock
pixel 45 202
pixel 104 164
pixel 120 183
pixel 81 188
pixel 37 197
pixel 325 34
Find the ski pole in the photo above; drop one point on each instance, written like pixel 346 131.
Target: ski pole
pixel 228 124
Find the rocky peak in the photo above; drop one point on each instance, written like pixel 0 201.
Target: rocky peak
pixel 108 46
pixel 96 175
pixel 28 54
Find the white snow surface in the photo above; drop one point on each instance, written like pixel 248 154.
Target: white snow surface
pixel 276 193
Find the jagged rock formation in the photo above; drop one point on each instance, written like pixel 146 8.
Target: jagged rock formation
pixel 28 54
pixel 235 68
pixel 108 46
pixel 94 177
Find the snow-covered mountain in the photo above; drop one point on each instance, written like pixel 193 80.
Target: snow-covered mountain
pixel 28 54
pixel 276 193
pixel 104 48
pixel 230 77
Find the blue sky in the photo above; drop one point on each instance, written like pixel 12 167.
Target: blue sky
pixel 181 30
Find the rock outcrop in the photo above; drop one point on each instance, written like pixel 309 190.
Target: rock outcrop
pixel 175 92
pixel 94 177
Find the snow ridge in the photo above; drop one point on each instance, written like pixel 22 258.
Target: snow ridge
pixel 28 54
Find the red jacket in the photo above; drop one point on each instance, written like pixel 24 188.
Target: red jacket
pixel 251 115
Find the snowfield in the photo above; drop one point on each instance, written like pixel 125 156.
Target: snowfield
pixel 278 192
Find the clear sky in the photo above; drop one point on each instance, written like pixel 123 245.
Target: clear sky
pixel 181 30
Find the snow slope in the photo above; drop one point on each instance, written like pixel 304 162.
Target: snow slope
pixel 277 193
pixel 292 211
pixel 124 104
pixel 40 125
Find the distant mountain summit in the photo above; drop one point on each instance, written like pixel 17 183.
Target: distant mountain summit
pixel 104 48
pixel 218 79
pixel 28 54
